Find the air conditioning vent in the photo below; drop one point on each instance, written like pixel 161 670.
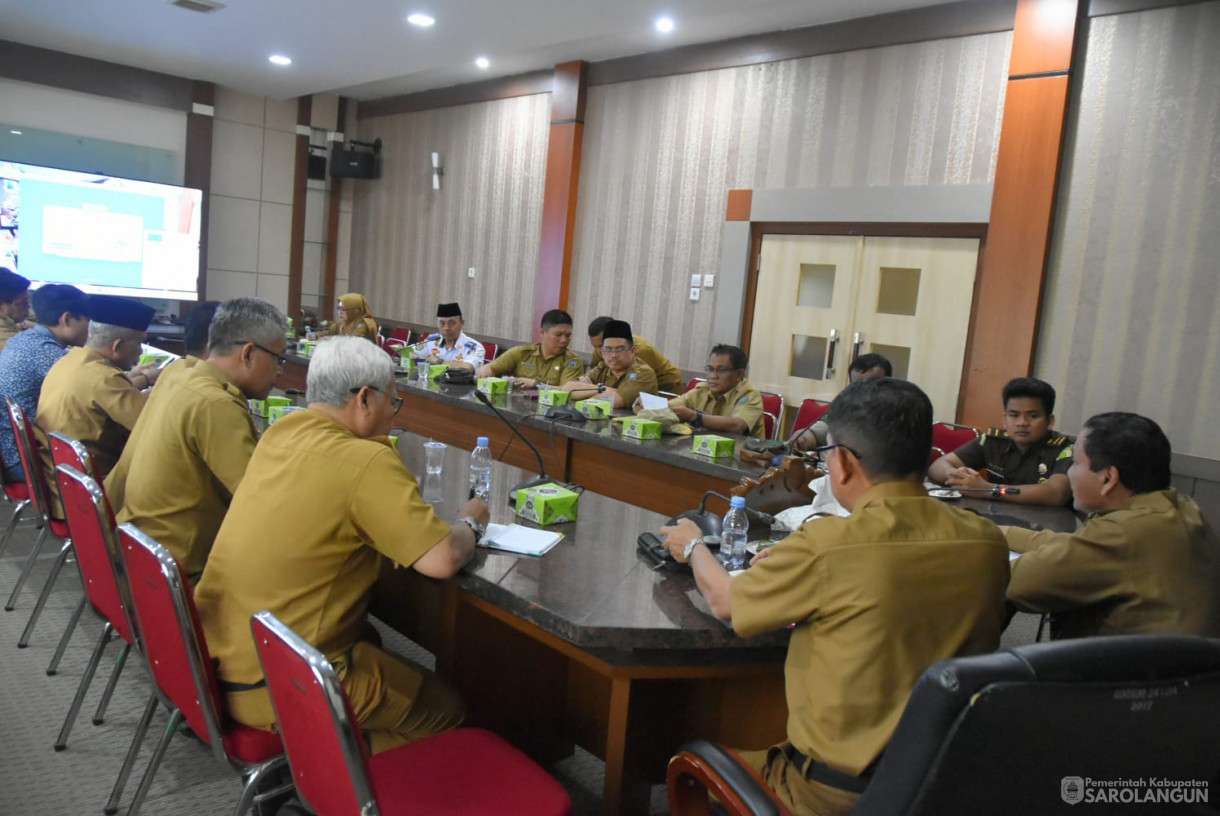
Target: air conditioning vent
pixel 201 6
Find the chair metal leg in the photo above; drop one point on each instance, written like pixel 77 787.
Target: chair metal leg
pixel 25 571
pixel 62 741
pixel 120 661
pixel 65 638
pixel 175 719
pixel 12 524
pixel 253 777
pixel 60 560
pixel 129 761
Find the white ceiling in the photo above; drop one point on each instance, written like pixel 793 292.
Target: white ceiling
pixel 365 48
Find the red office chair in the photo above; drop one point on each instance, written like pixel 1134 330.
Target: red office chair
pixel 336 776
pixel 67 451
pixel 690 385
pixel 395 343
pixel 770 425
pixel 18 495
pixel 31 462
pixel 948 437
pixel 401 334
pixel 773 404
pixel 92 526
pixel 811 411
pixel 183 674
pixel 490 350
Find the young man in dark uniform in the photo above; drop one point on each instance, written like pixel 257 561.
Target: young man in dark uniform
pixel 1025 453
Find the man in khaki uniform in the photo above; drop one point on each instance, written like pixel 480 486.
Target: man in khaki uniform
pixel 14 304
pixel 549 361
pixel 89 394
pixel 876 598
pixel 324 499
pixel 669 376
pixel 190 448
pixel 727 402
pixel 195 343
pixel 622 375
pixel 1146 562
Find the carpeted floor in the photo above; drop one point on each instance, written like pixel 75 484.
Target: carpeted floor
pixel 35 780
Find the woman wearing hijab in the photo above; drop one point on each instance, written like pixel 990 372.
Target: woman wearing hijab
pixel 355 319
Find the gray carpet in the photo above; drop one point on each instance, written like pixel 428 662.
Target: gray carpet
pixel 37 781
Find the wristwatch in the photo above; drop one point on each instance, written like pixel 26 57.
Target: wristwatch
pixel 473 524
pixel 698 420
pixel 996 492
pixel 690 548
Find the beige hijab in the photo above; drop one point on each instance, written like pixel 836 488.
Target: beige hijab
pixel 358 321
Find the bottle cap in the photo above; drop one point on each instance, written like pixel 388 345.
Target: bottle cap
pixel 738 501
pixel 482 442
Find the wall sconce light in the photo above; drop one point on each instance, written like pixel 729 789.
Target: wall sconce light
pixel 437 171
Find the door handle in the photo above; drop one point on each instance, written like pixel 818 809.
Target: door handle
pixel 856 342
pixel 832 342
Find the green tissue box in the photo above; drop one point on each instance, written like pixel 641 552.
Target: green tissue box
pixel 258 407
pixel 435 371
pixel 553 396
pixel 277 412
pixel 281 402
pixel 305 347
pixel 595 408
pixel 547 504
pixel 493 385
pixel 636 428
pixel 152 358
pixel 714 446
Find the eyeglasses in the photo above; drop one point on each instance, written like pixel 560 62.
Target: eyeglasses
pixel 395 400
pixel 607 350
pixel 821 451
pixel 719 369
pixel 279 358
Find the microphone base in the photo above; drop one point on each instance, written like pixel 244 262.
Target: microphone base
pixel 534 481
pixel 709 523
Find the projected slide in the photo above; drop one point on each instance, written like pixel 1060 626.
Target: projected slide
pixel 103 234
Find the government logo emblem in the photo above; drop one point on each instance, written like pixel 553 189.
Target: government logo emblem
pixel 1072 789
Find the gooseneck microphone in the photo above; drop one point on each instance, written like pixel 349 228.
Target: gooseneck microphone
pixel 709 523
pixel 541 478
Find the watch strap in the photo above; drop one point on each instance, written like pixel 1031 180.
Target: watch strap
pixel 690 548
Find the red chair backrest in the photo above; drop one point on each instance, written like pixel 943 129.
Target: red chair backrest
pixel 315 719
pixel 769 423
pixel 31 461
pixel 949 437
pixel 490 350
pixel 401 334
pixel 172 635
pixel 395 343
pixel 811 411
pixel 773 404
pixel 693 382
pixel 92 527
pixel 68 451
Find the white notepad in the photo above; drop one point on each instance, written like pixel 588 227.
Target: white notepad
pixel 654 402
pixel 518 539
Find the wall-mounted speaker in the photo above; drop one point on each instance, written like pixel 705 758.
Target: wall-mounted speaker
pixel 350 164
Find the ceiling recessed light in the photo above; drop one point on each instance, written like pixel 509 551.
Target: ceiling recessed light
pixel 15 132
pixel 421 20
pixel 483 62
pixel 665 25
pixel 279 59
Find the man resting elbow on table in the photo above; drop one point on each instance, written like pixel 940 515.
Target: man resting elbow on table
pixel 727 402
pixel 324 498
pixel 1145 562
pixel 1025 454
pixel 620 377
pixel 876 597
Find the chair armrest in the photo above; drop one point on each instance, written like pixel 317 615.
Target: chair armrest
pixel 701 767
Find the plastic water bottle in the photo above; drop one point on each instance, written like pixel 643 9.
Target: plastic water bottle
pixel 480 470
pixel 733 534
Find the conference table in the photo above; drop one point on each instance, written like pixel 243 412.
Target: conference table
pixel 588 645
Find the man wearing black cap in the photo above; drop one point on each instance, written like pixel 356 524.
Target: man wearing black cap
pixel 63 321
pixel 14 304
pixel 87 394
pixel 451 345
pixel 623 376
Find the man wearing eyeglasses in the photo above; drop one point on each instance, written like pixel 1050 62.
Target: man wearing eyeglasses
pixel 621 375
pixel 669 376
pixel 875 598
pixel 190 447
pixel 727 402
pixel 326 499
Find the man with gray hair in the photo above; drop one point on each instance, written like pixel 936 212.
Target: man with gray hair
pixel 190 449
pixel 89 394
pixel 325 499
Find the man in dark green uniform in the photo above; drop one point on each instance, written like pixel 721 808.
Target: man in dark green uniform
pixel 549 361
pixel 1025 453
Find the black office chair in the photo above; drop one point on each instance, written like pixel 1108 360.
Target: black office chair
pixel 1016 732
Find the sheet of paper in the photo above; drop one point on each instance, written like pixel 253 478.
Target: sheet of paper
pixel 519 539
pixel 652 401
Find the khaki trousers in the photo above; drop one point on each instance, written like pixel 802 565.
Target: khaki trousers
pixel 802 796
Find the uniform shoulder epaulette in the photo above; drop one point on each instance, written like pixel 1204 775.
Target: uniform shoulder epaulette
pixel 997 433
pixel 1059 440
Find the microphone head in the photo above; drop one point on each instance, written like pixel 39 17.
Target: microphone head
pixel 481 397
